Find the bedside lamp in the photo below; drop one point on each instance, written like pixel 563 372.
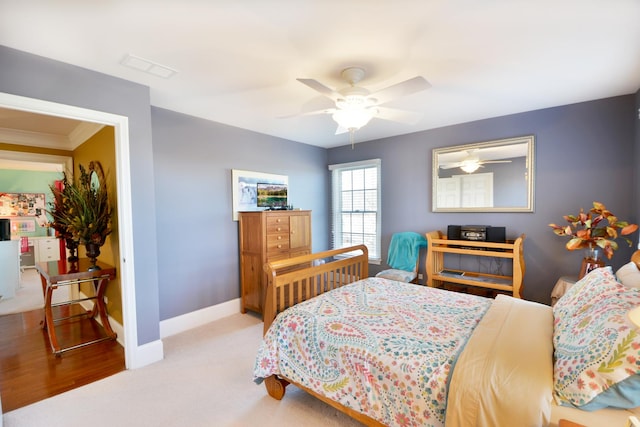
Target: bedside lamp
pixel 634 316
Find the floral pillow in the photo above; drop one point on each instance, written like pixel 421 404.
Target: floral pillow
pixel 596 348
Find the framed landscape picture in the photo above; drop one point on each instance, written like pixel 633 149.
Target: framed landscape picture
pixel 244 191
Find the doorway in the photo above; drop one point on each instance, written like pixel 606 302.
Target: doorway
pixel 125 264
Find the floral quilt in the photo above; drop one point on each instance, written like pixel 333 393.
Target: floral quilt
pixel 381 347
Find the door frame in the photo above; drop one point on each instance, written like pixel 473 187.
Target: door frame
pixel 126 265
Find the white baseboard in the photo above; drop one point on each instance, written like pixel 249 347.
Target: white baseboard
pixel 197 318
pixel 146 354
pixel 149 353
pixel 152 352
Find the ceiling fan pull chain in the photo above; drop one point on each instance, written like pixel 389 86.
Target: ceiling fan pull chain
pixel 352 131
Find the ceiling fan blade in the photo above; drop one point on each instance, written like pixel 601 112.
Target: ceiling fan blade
pixel 450 166
pixel 319 87
pixel 401 89
pixel 395 115
pixel 309 113
pixel 495 161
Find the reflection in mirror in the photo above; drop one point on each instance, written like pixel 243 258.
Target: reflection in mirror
pixel 96 175
pixel 491 176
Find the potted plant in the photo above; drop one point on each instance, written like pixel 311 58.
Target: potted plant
pixel 85 211
pixel 595 230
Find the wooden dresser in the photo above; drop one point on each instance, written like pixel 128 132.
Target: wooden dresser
pixel 267 236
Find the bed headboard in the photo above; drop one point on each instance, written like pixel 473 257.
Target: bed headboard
pixel 297 279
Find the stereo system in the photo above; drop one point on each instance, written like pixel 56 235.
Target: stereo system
pixel 479 233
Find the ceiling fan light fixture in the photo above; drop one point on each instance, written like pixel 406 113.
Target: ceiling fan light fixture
pixel 355 106
pixel 469 166
pixel 353 119
pixel 352 102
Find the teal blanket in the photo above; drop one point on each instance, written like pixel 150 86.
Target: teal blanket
pixel 404 250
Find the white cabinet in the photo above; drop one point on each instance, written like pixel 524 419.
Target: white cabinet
pixel 47 249
pixel 40 249
pixel 9 268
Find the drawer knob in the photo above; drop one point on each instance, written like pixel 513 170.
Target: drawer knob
pixel 279 246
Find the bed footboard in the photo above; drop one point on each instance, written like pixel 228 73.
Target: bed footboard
pixel 297 279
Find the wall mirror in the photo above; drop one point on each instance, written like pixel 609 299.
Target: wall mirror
pixel 96 176
pixel 490 176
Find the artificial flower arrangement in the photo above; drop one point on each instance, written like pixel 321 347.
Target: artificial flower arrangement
pixel 597 228
pixel 57 210
pixel 82 210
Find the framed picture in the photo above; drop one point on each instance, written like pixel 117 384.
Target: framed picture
pixel 244 190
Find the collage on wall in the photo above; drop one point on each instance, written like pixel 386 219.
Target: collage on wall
pixel 22 204
pixel 25 211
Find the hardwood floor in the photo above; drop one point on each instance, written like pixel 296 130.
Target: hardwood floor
pixel 29 372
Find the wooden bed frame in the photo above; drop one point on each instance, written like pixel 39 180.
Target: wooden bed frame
pixel 297 279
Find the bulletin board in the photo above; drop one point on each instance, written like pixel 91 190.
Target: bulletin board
pixel 22 204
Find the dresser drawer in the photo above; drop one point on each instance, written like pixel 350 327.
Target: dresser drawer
pixel 48 250
pixel 277 225
pixel 267 236
pixel 277 242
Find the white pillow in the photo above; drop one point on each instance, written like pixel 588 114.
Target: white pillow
pixel 629 275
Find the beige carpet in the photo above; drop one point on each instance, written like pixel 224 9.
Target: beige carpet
pixel 204 380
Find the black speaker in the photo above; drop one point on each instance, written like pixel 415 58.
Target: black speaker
pixel 5 229
pixel 453 232
pixel 496 234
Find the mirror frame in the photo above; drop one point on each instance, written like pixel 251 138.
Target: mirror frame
pixel 529 165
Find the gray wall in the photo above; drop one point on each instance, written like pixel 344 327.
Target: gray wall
pixel 584 152
pixel 197 238
pixel 36 77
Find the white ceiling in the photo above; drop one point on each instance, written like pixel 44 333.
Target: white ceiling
pixel 237 60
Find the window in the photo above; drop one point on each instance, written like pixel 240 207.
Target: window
pixel 355 209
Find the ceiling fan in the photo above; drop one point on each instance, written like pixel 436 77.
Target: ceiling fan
pixel 471 162
pixel 355 106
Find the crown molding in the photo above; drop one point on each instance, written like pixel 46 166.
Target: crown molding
pixel 83 132
pixel 76 137
pixel 34 139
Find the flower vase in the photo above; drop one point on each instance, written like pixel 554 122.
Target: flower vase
pixel 93 252
pixel 592 260
pixel 72 246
